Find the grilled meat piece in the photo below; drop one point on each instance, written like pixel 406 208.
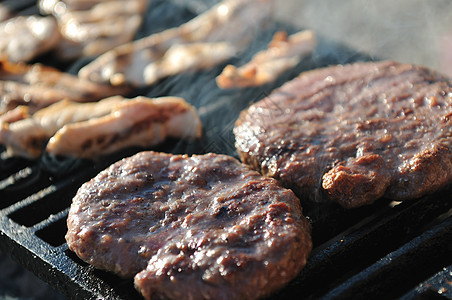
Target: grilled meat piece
pixel 58 7
pixel 90 28
pixel 186 57
pixel 200 227
pixel 38 86
pixel 14 115
pixel 26 37
pixel 92 129
pixel 25 135
pixel 141 122
pixel 284 52
pixel 354 133
pixel 231 21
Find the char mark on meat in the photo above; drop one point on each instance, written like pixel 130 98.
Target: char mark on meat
pixel 360 131
pixel 197 227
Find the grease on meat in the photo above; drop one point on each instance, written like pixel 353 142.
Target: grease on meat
pixel 90 28
pixel 137 122
pixel 199 227
pixel 38 86
pixel 284 52
pixel 354 133
pixel 24 38
pixel 234 22
pixel 26 135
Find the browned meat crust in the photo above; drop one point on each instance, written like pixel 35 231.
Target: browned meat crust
pixel 90 28
pixel 38 86
pixel 26 136
pixel 196 227
pixel 354 133
pixel 203 42
pixel 140 121
pixel 283 53
pixel 26 37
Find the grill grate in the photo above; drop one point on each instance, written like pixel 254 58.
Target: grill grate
pixel 377 256
pixel 373 252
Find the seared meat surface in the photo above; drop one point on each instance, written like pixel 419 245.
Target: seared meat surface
pixel 38 86
pixel 61 6
pixel 26 135
pixel 199 227
pixel 354 133
pixel 90 130
pixel 137 122
pixel 230 25
pixel 284 52
pixel 26 37
pixel 90 28
pixel 186 57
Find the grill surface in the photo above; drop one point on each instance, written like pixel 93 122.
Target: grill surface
pixel 385 250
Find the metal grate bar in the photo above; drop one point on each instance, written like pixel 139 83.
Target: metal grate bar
pixel 400 270
pixel 438 286
pixel 349 245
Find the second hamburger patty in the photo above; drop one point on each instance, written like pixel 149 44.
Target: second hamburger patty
pixel 196 227
pixel 353 133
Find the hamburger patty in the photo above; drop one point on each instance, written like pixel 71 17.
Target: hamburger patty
pixel 353 133
pixel 195 227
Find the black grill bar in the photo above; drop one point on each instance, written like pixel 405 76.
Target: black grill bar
pixel 347 262
pixel 400 270
pixel 364 243
pixel 439 286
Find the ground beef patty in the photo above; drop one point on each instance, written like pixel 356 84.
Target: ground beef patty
pixel 353 133
pixel 195 227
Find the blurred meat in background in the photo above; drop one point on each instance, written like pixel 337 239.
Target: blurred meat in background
pixel 411 31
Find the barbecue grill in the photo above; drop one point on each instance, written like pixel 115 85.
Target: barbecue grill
pixel 385 250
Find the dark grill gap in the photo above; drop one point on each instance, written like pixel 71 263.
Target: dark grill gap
pixel 379 251
pixel 54 229
pixel 50 200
